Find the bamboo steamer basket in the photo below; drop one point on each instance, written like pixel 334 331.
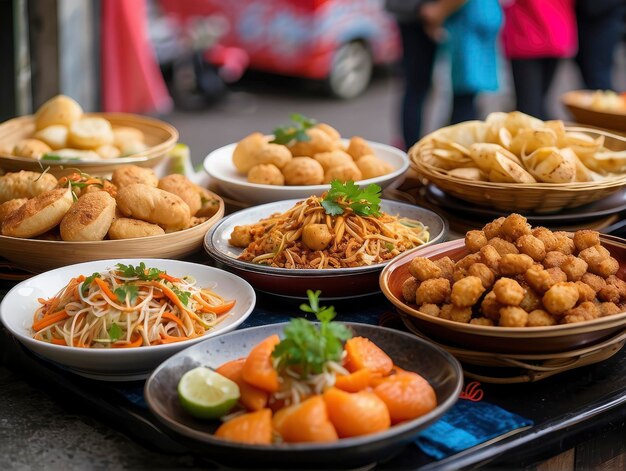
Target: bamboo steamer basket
pixel 37 256
pixel 520 197
pixel 160 137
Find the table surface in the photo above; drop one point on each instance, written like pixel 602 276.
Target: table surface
pixel 51 417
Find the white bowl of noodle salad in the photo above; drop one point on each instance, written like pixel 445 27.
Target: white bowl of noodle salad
pixel 117 320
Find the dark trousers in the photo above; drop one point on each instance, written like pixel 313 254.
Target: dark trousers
pixel 532 79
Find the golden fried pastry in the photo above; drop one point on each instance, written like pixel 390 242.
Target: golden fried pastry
pixel 540 318
pixel 514 226
pixel 482 271
pixel 475 240
pixel 343 173
pixel 358 147
pixel 54 136
pixel 550 241
pixel 573 267
pixel 609 293
pixel 126 228
pixel 275 154
pixel 266 174
pixel 372 167
pixel 209 203
pixel 515 264
pixel 433 291
pixel 585 292
pixel 560 298
pixel 303 171
pixel 455 313
pixel 129 174
pixel 8 207
pixel 584 239
pixel 564 243
pixel 554 258
pixel 38 214
pixel 153 205
pixel 318 142
pixel 467 262
pixel 424 269
pixel 429 309
pixel 25 184
pixel 196 221
pixel 583 312
pixel 333 158
pixel 108 151
pixel 503 246
pixel 409 287
pixel 90 133
pixel 244 155
pixel 512 316
pixel 594 281
pixel 181 186
pixel 482 321
pixel 532 246
pixel 467 291
pixel 608 309
pixel 539 279
pixel 558 275
pixel 446 265
pixel 329 130
pixel 490 257
pixel 490 307
pixel 89 218
pixel 77 154
pixel 492 229
pixel 60 109
pixel 508 292
pixel 132 148
pixel 31 148
pixel 531 299
pixel 122 135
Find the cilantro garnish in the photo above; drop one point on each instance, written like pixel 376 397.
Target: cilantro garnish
pixel 115 332
pixel 130 291
pixel 140 271
pixel 310 346
pixel 296 131
pixel 182 295
pixel 57 157
pixel 348 195
pixel 87 283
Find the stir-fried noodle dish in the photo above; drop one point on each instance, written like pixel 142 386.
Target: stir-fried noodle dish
pixel 128 306
pixel 342 228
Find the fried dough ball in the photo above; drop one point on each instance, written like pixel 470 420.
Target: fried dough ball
pixel 54 136
pixel 303 171
pixel 558 275
pixel 490 257
pixel 482 321
pixel 128 228
pixel 317 236
pixel 546 236
pixel 467 261
pixel 531 300
pixel 512 316
pixel 475 240
pixel 608 309
pixel 610 293
pixel 503 246
pixel 196 221
pixel 60 109
pixel 266 174
pixel 508 292
pixel 492 229
pixel 358 147
pixel 25 184
pixel 446 264
pixel 275 154
pixel 153 205
pixel 540 318
pixel 210 204
pixel 130 174
pixel 594 255
pixel 429 309
pixel 240 237
pixel 433 291
pixel 89 218
pixel 455 313
pixel 490 307
pixel 122 135
pixel 619 284
pixel 108 151
pixel 560 298
pixel 245 152
pixel 584 239
pixel 409 287
pixel 606 268
pixel 573 267
pixel 514 226
pixel 181 186
pixel 515 264
pixel 329 130
pixel 595 281
pixel 467 291
pixel 333 158
pixel 31 148
pixel 585 292
pixel 372 167
pixel 584 312
pixel 90 133
pixel 318 142
pixel 565 243
pixel 554 259
pixel 343 173
pixel 482 271
pixel 8 207
pixel 424 269
pixel 532 246
pixel 538 279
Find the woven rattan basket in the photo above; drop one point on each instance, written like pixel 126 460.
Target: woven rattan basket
pixel 519 197
pixel 160 137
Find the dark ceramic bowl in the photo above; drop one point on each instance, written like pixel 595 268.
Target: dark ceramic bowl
pixel 409 352
pixel 293 282
pixel 504 340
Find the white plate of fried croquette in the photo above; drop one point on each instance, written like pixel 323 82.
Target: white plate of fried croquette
pixel 47 222
pixel 512 288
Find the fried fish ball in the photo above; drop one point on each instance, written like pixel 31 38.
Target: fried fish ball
pixel 492 229
pixel 608 309
pixel 8 207
pixel 409 287
pixel 586 238
pixel 89 218
pixel 181 186
pixel 333 158
pixel 490 307
pixel 38 214
pixel 429 309
pixel 515 264
pixel 153 205
pixel 482 321
pixel 565 243
pixel 538 279
pixel 554 259
pixel 318 142
pixel 433 291
pixel 583 312
pixel 90 133
pixel 482 271
pixel 490 257
pixel 467 291
pixel 31 148
pixel 512 316
pixel 266 174
pixel 245 152
pixel 130 174
pixel 372 167
pixel 128 228
pixel 358 147
pixel 475 240
pixel 508 292
pixel 540 318
pixel 303 171
pixel 503 246
pixel 54 136
pixel 455 313
pixel 60 109
pixel 585 292
pixel 343 173
pixel 424 269
pixel 574 267
pixel 446 264
pixel 560 298
pixel 595 281
pixel 532 246
pixel 275 154
pixel 514 226
pixel 531 300
pixel 241 237
pixel 546 236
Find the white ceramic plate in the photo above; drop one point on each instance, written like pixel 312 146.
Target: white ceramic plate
pixel 219 165
pixel 124 364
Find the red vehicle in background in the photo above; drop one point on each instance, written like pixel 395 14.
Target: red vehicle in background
pixel 334 41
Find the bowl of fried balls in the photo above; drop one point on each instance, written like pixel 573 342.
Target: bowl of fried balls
pixel 512 288
pixel 48 222
pixel 259 170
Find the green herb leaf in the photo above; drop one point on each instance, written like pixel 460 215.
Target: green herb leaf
pixel 87 283
pixel 182 295
pixel 115 332
pixel 296 131
pixel 140 271
pixel 57 157
pixel 130 291
pixel 348 195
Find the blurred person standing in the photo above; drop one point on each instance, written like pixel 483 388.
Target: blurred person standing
pixel 600 24
pixel 536 35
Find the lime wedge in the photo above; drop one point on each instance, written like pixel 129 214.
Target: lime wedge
pixel 206 394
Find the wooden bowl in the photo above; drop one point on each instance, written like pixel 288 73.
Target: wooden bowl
pixel 160 137
pixel 502 340
pixel 578 102
pixel 41 255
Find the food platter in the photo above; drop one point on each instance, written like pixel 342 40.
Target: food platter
pixel 124 364
pixel 580 105
pixel 333 282
pixel 223 173
pixel 409 352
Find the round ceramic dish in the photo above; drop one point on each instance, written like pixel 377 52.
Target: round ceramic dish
pixel 503 340
pixel 333 282
pixel 219 165
pixel 37 255
pixel 123 364
pixel 407 351
pixel 160 137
